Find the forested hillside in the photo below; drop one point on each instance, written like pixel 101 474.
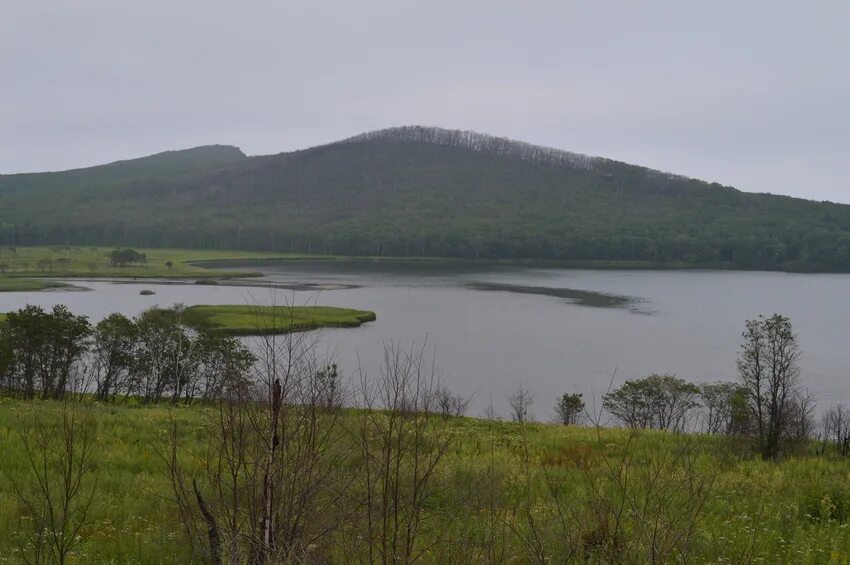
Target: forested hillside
pixel 416 191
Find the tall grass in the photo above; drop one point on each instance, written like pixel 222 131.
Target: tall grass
pixel 503 489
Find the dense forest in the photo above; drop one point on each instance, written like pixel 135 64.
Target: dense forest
pixel 416 191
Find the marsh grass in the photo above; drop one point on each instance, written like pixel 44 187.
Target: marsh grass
pixel 12 284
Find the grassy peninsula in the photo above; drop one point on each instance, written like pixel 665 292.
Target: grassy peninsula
pixel 259 320
pixel 13 284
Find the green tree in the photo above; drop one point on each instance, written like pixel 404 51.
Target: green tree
pixel 113 345
pixel 66 341
pixel 569 408
pixel 126 258
pixel 724 408
pixel 156 354
pixel 223 363
pixel 43 349
pixel 769 369
pixel 662 402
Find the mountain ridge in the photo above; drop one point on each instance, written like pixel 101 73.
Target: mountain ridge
pixel 420 191
pixel 228 149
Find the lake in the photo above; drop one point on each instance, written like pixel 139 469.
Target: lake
pixel 553 330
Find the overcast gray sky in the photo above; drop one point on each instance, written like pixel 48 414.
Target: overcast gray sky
pixel 754 94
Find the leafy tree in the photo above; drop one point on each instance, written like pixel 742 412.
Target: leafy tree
pixel 41 349
pixel 662 402
pixel 156 353
pixel 126 258
pixel 724 408
pixel 769 370
pixel 65 342
pixel 223 363
pixel 569 408
pixel 22 337
pixel 113 348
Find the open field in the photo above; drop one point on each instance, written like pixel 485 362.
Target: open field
pixel 256 320
pixel 71 262
pixel 793 511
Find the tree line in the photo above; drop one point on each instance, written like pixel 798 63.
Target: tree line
pixel 479 142
pixel 159 356
pixel 154 356
pixel 767 404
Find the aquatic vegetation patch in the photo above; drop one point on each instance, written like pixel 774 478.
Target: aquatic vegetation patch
pixel 571 295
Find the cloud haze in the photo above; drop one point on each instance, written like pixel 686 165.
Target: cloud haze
pixel 750 94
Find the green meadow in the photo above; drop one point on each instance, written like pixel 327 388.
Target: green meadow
pixel 258 320
pixel 78 261
pixel 499 482
pixel 12 284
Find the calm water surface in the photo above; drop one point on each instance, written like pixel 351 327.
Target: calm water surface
pixel 494 328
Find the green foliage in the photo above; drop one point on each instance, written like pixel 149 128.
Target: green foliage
pixel 425 193
pixel 260 320
pixel 569 408
pixel 42 349
pixel 177 352
pixel 726 408
pixel 661 402
pixel 126 258
pixel 827 503
pixel 113 350
pixel 769 369
pixel 8 284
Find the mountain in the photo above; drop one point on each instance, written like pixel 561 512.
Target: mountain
pixel 38 201
pixel 416 191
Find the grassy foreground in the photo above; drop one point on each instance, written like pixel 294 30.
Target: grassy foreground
pixel 257 320
pixel 791 512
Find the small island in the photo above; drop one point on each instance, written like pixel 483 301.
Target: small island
pixel 247 320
